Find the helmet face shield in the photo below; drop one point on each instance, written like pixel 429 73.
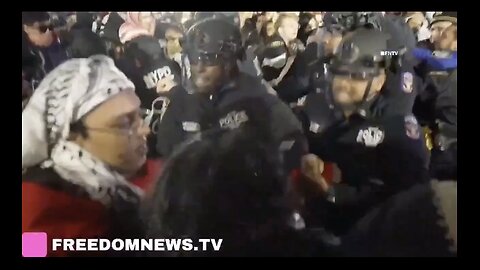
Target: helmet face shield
pixel 360 70
pixel 206 59
pixel 355 74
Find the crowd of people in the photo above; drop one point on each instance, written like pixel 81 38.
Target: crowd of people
pixel 282 133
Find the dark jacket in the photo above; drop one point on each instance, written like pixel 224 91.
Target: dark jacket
pixel 273 57
pixel 399 141
pixel 250 95
pixel 189 114
pixel 368 150
pixel 439 84
pixel 400 90
pixel 180 121
pixel 436 108
pixel 410 224
pixel 37 62
pixel 32 64
pixel 397 96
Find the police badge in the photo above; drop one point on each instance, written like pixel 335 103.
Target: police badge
pixel 407 82
pixel 412 128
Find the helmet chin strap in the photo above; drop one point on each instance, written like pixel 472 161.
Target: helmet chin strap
pixel 362 105
pixel 360 108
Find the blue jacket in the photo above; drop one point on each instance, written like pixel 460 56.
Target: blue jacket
pixel 436 63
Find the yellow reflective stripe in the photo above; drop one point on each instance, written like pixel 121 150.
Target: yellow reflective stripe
pixel 428 138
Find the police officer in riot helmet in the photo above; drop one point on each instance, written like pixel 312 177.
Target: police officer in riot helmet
pixel 318 55
pixel 220 94
pixel 322 44
pixel 212 48
pixel 378 155
pixel 360 64
pixel 401 85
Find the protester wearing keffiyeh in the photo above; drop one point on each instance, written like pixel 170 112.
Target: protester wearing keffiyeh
pixel 67 190
pixel 66 95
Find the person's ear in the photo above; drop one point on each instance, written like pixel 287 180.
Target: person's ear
pixel 280 31
pixel 26 28
pixel 378 83
pixel 453 47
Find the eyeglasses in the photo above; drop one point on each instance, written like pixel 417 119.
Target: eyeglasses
pixel 129 131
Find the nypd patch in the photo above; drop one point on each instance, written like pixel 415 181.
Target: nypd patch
pixel 153 77
pixel 407 82
pixel 371 136
pixel 286 145
pixel 276 44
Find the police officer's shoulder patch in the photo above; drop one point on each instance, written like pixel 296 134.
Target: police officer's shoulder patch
pixel 233 120
pixel 371 136
pixel 276 44
pixel 191 126
pixel 286 145
pixel 314 127
pixel 412 128
pixel 407 82
pixel 301 101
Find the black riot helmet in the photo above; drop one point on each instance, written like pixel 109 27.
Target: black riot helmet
pixel 211 42
pixel 363 54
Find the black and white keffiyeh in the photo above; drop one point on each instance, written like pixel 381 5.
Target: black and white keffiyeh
pixel 67 94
